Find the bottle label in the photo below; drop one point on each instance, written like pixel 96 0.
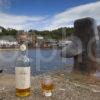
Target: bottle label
pixel 22 77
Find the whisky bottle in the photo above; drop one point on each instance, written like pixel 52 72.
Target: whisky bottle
pixel 22 73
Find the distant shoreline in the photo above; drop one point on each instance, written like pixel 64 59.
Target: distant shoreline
pixel 17 49
pixel 8 49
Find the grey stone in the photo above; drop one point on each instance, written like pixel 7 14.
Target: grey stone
pixel 72 49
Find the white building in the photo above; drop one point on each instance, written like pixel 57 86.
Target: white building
pixel 63 43
pixel 7 43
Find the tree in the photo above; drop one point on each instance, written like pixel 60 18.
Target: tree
pixel 54 34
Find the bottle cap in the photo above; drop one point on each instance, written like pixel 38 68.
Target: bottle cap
pixel 23 47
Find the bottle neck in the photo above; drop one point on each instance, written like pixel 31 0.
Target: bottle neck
pixel 23 53
pixel 23 50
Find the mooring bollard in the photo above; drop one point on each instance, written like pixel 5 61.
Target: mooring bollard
pixel 83 46
pixel 98 48
pixel 86 31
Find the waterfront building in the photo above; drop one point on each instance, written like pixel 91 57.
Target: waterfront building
pixel 22 36
pixel 32 39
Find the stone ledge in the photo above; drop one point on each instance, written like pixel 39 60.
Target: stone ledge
pixel 67 87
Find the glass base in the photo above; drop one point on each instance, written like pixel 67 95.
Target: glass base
pixel 47 94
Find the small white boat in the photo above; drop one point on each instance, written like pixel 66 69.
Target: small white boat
pixel 64 43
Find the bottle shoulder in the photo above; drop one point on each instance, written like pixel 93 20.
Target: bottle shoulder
pixel 23 58
pixel 23 61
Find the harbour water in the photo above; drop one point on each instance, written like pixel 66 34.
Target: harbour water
pixel 41 61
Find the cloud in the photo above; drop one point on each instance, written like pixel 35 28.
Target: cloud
pixel 67 17
pixel 4 4
pixel 18 22
pixel 62 19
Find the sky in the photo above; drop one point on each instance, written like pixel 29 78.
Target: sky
pixel 46 14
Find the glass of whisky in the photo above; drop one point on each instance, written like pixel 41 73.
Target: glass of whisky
pixel 47 86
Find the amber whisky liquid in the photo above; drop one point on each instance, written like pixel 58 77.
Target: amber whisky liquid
pixel 47 87
pixel 23 92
